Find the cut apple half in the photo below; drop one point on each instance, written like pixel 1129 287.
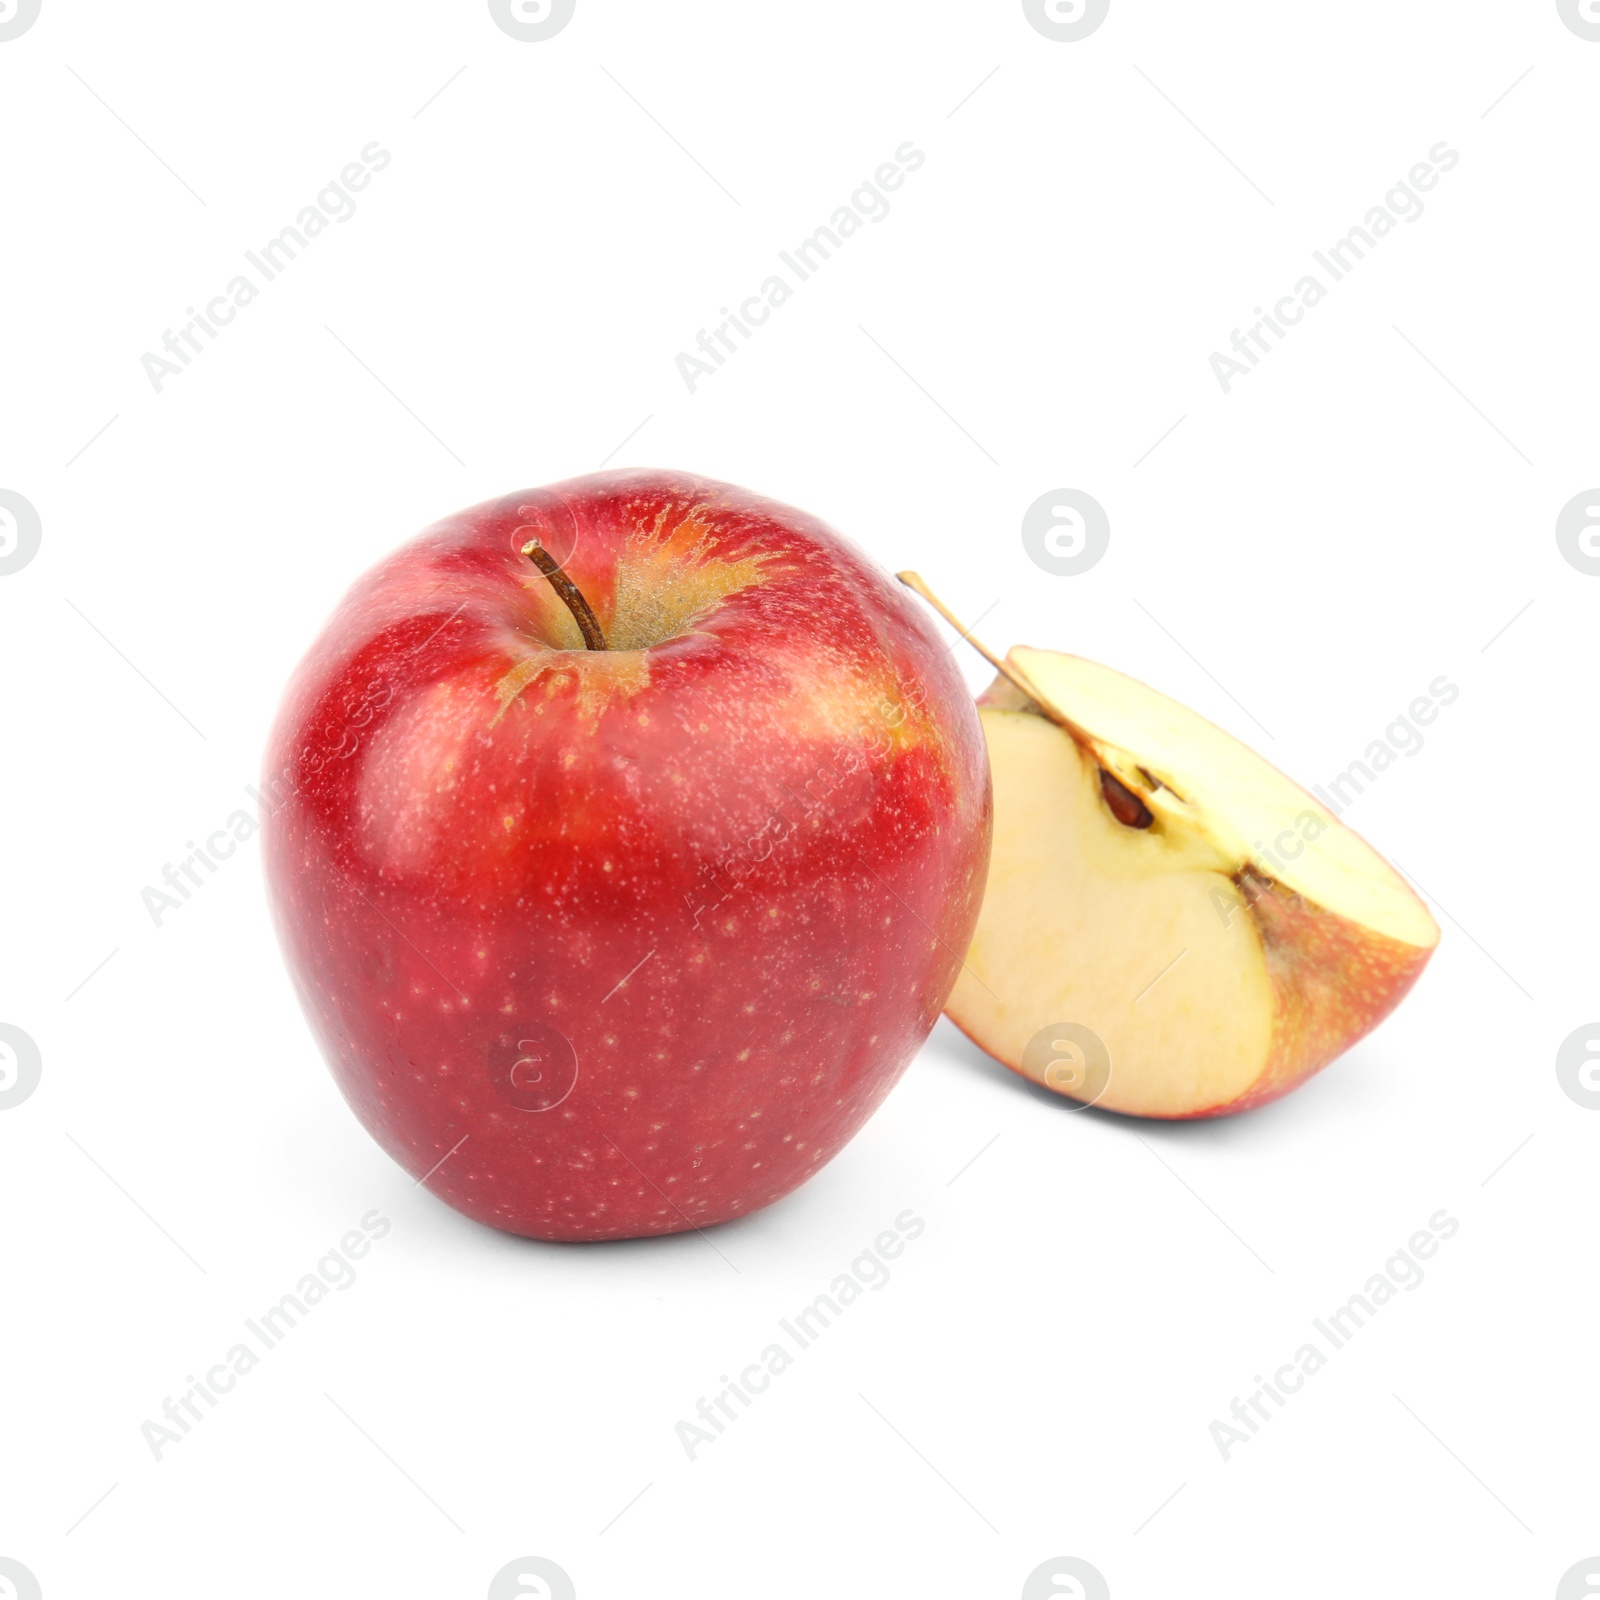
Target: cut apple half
pixel 1171 927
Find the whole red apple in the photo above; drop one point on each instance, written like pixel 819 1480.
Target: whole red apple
pixel 624 840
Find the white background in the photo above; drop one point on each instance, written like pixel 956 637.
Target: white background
pixel 1372 507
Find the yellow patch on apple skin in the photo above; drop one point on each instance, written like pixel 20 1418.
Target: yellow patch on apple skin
pixel 667 583
pixel 664 589
pixel 854 715
pixel 668 579
pixel 604 679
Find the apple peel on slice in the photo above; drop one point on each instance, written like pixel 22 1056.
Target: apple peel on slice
pixel 1171 928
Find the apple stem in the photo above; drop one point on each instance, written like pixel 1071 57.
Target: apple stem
pixel 1124 813
pixel 914 583
pixel 588 624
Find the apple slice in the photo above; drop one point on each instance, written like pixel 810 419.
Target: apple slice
pixel 1171 928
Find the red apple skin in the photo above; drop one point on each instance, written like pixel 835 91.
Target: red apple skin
pixel 602 944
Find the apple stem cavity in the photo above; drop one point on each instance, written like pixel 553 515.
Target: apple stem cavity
pixel 571 594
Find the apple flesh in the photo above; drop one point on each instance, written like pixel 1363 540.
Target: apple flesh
pixel 610 942
pixel 1171 927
